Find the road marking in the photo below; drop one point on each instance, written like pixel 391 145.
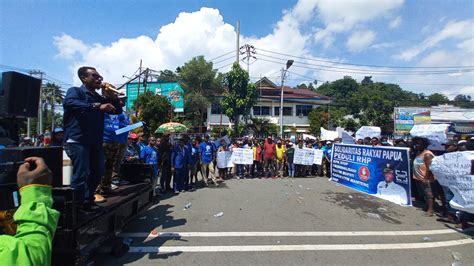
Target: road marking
pixel 261 248
pixel 279 234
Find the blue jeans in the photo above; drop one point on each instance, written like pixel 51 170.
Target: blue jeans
pixel 291 169
pixel 179 178
pixel 87 169
pixel 240 170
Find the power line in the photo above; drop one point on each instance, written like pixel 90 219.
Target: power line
pixel 223 60
pixel 369 72
pixel 360 71
pixel 224 66
pixel 231 52
pixel 366 65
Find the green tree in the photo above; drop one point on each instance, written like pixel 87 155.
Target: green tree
pixel 318 118
pixel 196 107
pixel 463 101
pixel 201 84
pixel 167 76
pixel 437 99
pixel 240 96
pixel 51 95
pixel 339 89
pixel 153 109
pixel 260 126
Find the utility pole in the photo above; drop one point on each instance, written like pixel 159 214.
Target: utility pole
pixel 39 127
pixel 139 75
pixel 145 80
pixel 249 51
pixel 284 71
pixel 237 46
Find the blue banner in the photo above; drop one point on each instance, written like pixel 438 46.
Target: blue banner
pixel 380 171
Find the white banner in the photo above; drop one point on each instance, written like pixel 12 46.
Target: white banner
pixel 304 156
pixel 328 134
pixel 306 136
pixel 367 131
pixel 436 133
pixel 318 157
pixel 242 156
pixel 346 138
pixel 454 170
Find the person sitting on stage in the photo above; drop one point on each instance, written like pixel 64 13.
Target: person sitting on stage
pixel 57 138
pixel 83 120
pixel 36 220
pixel 149 155
pixel 132 154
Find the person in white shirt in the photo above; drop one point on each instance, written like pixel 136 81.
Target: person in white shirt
pixel 391 191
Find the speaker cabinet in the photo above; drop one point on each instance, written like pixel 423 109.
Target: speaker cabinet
pixel 9 158
pixel 19 94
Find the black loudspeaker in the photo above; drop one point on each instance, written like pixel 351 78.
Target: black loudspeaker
pixel 10 158
pixel 136 172
pixel 19 94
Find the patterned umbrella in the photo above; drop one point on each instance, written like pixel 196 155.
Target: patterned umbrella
pixel 171 127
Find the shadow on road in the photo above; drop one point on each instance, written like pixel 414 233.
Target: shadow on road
pixel 364 205
pixel 154 219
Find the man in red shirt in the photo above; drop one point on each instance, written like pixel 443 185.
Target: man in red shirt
pixel 269 156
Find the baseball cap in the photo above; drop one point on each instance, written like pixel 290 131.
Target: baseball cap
pixel 57 130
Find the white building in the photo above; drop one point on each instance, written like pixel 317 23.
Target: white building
pixel 297 104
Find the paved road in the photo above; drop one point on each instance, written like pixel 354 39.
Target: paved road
pixel 305 221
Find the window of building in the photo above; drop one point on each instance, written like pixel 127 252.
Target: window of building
pixel 287 111
pixel 303 110
pixel 216 109
pixel 261 110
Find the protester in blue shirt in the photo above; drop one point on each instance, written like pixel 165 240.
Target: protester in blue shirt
pixel 112 122
pixel 179 164
pixel 83 120
pixel 193 162
pixel 150 155
pixel 206 158
pixel 122 140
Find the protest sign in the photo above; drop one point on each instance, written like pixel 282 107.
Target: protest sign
pixel 306 136
pixel 224 159
pixel 318 157
pixel 304 156
pixel 128 128
pixel 436 133
pixel 367 131
pixel 455 171
pixel 242 156
pixel 380 171
pixel 217 142
pixel 346 138
pixel 328 134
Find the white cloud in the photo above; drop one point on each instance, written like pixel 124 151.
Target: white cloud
pixel 205 32
pixel 68 47
pixel 198 33
pixel 343 16
pixel 383 45
pixel 360 40
pixel 395 23
pixel 453 30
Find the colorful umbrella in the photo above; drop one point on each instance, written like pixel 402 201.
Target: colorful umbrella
pixel 171 127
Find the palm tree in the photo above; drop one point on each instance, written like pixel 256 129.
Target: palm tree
pixel 51 95
pixel 260 126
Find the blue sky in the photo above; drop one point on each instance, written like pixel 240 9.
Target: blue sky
pixel 58 36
